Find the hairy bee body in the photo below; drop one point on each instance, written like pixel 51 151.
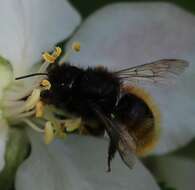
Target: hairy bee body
pixel 125 112
pixel 75 89
pixel 109 101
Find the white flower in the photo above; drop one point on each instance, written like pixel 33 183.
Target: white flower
pixel 78 163
pixel 119 36
pixel 130 34
pixel 28 29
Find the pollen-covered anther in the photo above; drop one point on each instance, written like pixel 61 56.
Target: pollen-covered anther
pixel 76 46
pixel 51 58
pixel 39 109
pixel 48 132
pixel 46 84
pixel 48 57
pixel 32 100
pixel 72 124
pixel 57 52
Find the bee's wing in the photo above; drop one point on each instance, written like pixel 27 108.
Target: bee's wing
pixel 160 71
pixel 126 147
pixel 120 140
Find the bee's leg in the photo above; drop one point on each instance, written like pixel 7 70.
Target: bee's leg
pixel 111 153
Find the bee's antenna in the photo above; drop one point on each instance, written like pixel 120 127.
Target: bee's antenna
pixel 31 75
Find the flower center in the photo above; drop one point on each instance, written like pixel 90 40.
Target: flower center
pixel 22 103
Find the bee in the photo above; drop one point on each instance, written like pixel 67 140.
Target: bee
pixel 112 100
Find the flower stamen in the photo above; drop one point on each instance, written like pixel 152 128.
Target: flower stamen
pixel 33 126
pixel 45 84
pixel 39 109
pixel 23 103
pixel 75 47
pixel 48 132
pixel 51 58
pixel 32 99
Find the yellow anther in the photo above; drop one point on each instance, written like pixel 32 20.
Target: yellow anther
pixel 52 58
pixel 72 124
pixel 32 99
pixel 76 46
pixel 48 133
pixel 46 84
pixel 57 52
pixel 39 109
pixel 48 57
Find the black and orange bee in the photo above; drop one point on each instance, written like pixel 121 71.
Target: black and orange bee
pixel 127 113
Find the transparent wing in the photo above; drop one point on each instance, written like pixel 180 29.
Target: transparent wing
pixel 120 140
pixel 127 148
pixel 161 71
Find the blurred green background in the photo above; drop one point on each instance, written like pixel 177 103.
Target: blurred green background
pixel 86 7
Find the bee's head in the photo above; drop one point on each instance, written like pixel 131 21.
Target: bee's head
pixel 62 79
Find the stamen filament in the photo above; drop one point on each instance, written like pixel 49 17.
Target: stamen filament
pixel 25 114
pixel 48 133
pixel 39 109
pixel 32 100
pixel 33 126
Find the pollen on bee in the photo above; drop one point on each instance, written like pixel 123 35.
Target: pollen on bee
pixel 48 133
pixel 39 109
pixel 76 46
pixel 46 84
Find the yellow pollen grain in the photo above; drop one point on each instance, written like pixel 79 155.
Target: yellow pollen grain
pixel 39 109
pixel 76 46
pixel 46 84
pixel 48 133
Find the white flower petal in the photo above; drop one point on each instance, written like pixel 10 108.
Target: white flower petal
pixel 6 74
pixel 30 27
pixel 176 172
pixel 3 141
pixel 78 163
pixel 130 34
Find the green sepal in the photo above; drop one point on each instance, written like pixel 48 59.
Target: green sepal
pixel 16 151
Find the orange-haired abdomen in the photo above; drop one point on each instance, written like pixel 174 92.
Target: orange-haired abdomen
pixel 142 118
